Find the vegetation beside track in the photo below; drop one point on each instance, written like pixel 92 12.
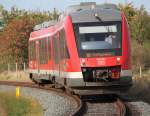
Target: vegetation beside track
pixel 17 24
pixel 20 76
pixel 12 106
pixel 141 87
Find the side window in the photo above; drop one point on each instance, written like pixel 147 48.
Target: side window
pixel 63 45
pixel 49 47
pixel 43 51
pixel 32 51
pixel 55 48
pixel 62 42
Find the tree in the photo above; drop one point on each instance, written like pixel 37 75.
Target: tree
pixel 139 22
pixel 129 11
pixel 140 26
pixel 55 14
pixel 15 34
pixel 1 17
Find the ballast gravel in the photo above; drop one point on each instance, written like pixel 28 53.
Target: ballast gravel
pixel 53 104
pixel 57 105
pixel 140 108
pixel 101 109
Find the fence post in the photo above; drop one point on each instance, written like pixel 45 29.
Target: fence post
pixel 140 72
pixel 8 67
pixel 24 66
pixel 16 67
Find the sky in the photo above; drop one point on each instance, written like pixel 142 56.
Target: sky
pixel 45 5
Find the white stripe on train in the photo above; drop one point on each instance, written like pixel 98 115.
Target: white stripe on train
pixel 46 35
pixel 124 73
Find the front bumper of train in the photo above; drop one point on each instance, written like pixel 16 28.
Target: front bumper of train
pixel 121 85
pixel 79 82
pixel 116 87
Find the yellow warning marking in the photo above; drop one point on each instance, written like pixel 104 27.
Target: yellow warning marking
pixel 17 91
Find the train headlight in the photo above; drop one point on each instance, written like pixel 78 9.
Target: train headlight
pixel 84 69
pixel 96 14
pixel 115 74
pixel 83 62
pixel 118 59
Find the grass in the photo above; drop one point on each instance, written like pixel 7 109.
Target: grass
pixel 13 76
pixel 147 44
pixel 141 88
pixel 12 106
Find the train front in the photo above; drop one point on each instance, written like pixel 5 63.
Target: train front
pixel 103 45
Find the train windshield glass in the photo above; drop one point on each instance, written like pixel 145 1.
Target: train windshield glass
pixel 98 39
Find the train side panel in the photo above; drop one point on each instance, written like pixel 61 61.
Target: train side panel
pixel 57 57
pixel 126 50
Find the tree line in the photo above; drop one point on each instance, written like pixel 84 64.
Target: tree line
pixel 16 26
pixel 139 22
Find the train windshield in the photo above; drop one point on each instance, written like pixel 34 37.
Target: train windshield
pixel 98 39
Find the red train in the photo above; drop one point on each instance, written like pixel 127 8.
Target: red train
pixel 86 49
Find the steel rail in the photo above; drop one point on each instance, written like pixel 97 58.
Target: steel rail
pixel 124 110
pixel 60 92
pixel 121 106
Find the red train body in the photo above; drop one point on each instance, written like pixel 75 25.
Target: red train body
pixel 85 49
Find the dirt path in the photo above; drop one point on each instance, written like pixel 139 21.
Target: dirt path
pixel 2 111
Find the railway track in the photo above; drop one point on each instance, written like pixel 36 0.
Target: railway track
pixel 49 88
pixel 104 105
pixel 86 106
pixel 124 110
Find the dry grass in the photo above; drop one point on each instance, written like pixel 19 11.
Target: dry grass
pixel 2 111
pixel 141 88
pixel 10 105
pixel 15 76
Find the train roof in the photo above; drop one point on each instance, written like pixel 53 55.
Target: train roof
pixel 95 15
pixel 86 12
pixel 90 12
pixel 89 5
pixel 45 24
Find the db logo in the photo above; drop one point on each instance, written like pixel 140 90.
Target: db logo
pixel 101 62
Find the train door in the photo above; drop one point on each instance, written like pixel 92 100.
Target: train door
pixel 55 56
pixel 59 54
pixel 49 54
pixel 62 53
pixel 58 58
pixel 37 56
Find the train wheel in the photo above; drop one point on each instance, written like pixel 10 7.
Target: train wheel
pixel 69 91
pixel 31 76
pixel 53 80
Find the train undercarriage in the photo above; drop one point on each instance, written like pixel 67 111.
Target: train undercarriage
pixel 94 81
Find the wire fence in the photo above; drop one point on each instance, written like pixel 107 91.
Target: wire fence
pixel 16 67
pixel 14 72
pixel 141 70
pixel 13 67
